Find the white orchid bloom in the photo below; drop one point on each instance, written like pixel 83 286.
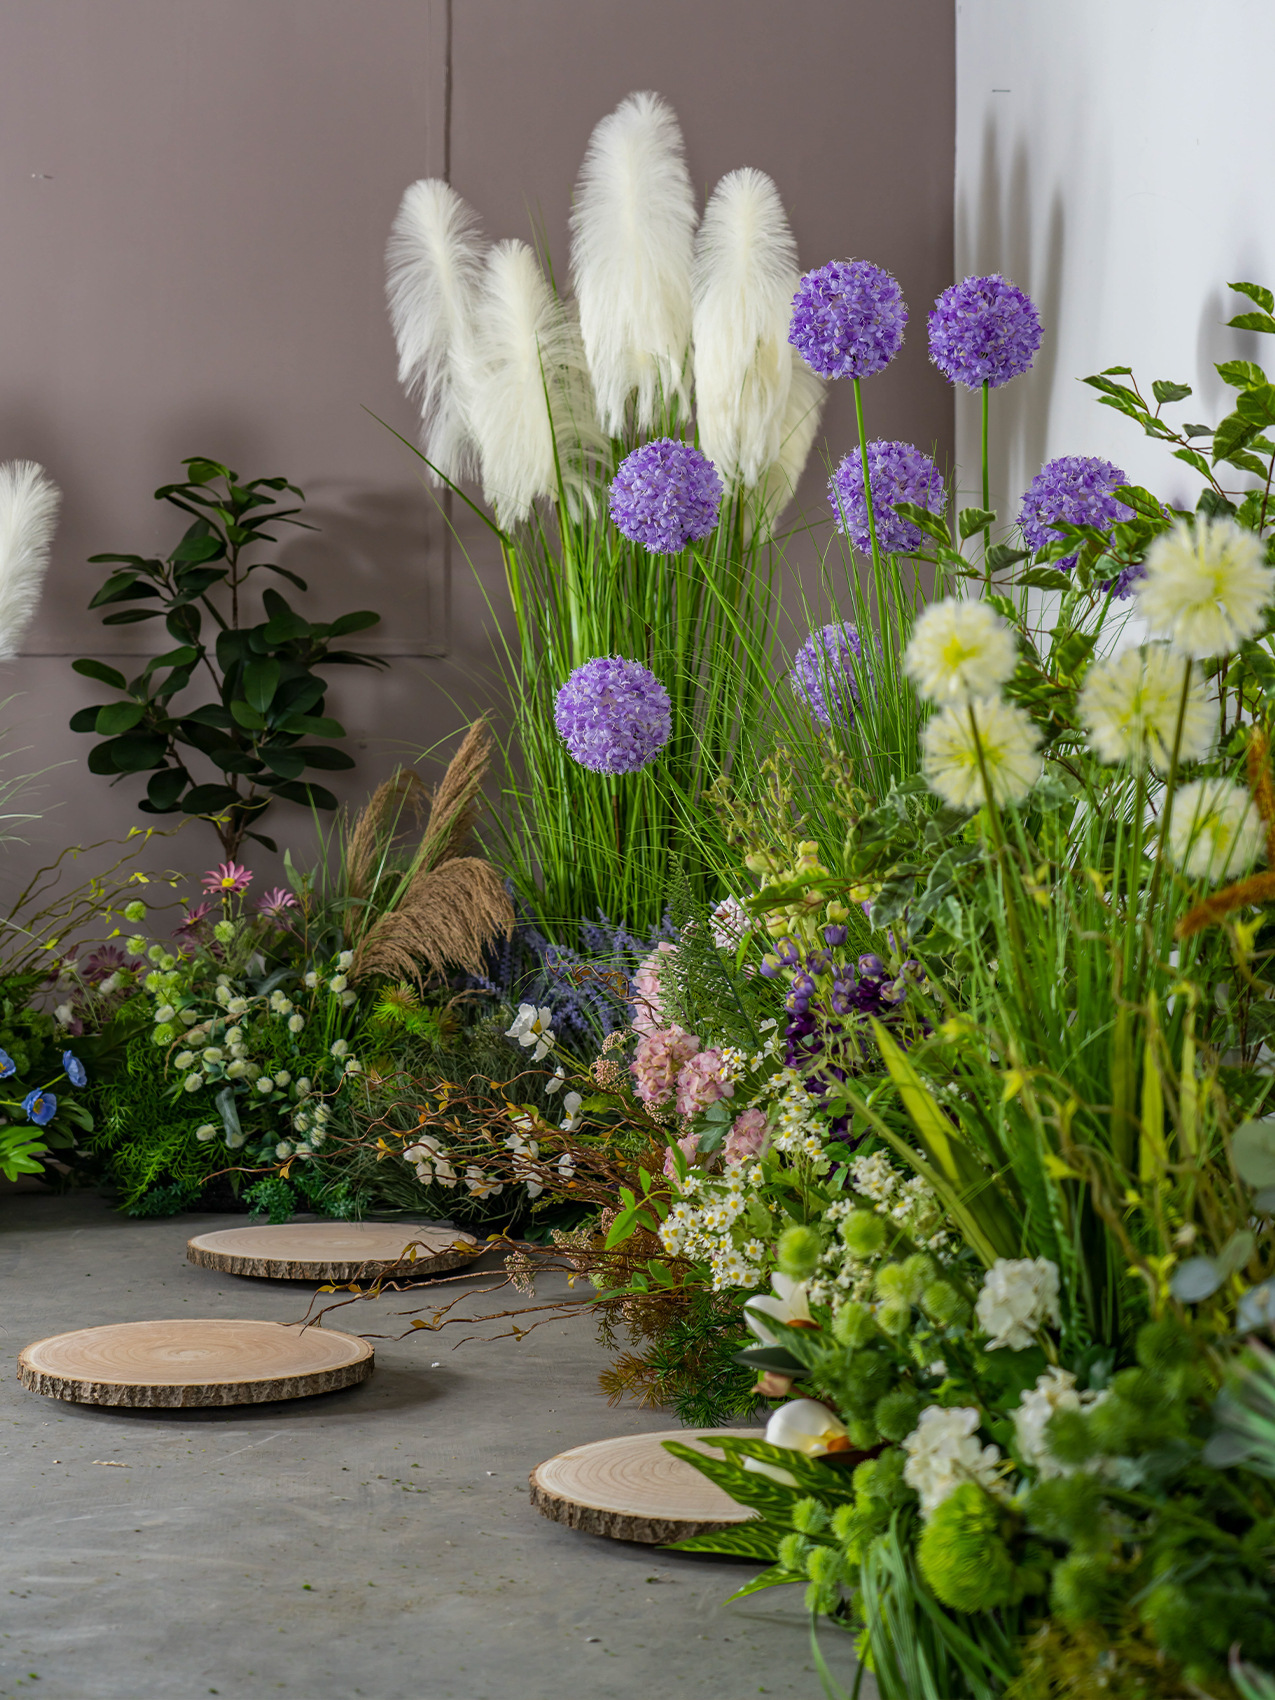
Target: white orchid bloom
pixel 531 1028
pixel 558 1081
pixel 571 1104
pixel 790 1303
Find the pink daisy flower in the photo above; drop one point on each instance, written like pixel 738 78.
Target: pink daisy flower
pixel 228 879
pixel 275 904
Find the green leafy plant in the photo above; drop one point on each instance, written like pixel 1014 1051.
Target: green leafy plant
pixel 270 693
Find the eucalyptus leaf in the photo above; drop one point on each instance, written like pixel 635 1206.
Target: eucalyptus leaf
pixel 1253 1152
pixel 1195 1280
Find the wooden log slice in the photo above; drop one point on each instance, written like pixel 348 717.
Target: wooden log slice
pixel 333 1251
pixel 193 1361
pixel 631 1489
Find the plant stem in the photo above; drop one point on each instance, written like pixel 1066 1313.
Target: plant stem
pixel 867 481
pixel 987 494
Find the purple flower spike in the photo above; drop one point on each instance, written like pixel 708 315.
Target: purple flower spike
pixel 822 675
pixel 613 715
pixel 1076 489
pixel 984 331
pixel 847 319
pixel 898 473
pixel 665 495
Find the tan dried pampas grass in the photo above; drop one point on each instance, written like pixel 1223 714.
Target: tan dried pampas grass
pixel 446 919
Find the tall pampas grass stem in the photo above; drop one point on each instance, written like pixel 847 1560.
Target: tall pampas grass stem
pixel 29 502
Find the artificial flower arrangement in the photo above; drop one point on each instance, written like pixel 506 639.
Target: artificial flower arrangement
pixel 990 1175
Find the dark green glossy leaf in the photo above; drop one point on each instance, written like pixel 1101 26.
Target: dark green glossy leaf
pixel 1045 578
pixel 130 616
pixel 933 525
pixel 260 679
pixel 100 671
pixel 323 756
pixel 185 623
pixel 1000 556
pixel 1233 433
pixel 203 471
pixel 195 549
pixel 212 714
pixel 283 572
pixel 287 763
pixel 208 799
pixel 971 520
pixel 347 623
pixel 301 791
pixel 133 753
pixel 312 725
pixel 85 719
pixel 1193 458
pixel 165 787
pixel 247 716
pixel 123 587
pixel 171 658
pixel 262 839
pixel 118 717
pixel 289 629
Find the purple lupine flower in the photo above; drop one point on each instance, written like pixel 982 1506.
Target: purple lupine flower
pixel 898 473
pixel 1077 490
pixel 822 675
pixel 613 715
pixel 984 331
pixel 665 495
pixel 847 319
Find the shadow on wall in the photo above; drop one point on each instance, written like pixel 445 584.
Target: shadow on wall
pixel 1006 231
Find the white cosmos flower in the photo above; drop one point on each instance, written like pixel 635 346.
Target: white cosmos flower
pixel 943 1451
pixel 1130 703
pixel 790 1302
pixel 1008 740
pixel 558 1081
pixel 1018 1297
pixel 1206 587
pixel 480 1184
pixel 1216 832
pixel 531 1028
pixel 571 1104
pixel 958 650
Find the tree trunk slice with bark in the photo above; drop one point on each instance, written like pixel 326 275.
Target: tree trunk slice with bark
pixel 333 1251
pixel 193 1361
pixel 631 1489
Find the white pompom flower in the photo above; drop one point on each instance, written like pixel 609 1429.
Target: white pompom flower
pixel 943 1452
pixel 1001 733
pixel 1054 1391
pixel 1206 588
pixel 1019 1297
pixel 1130 704
pixel 1216 832
pixel 959 650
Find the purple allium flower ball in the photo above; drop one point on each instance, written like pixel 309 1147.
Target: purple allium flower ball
pixel 613 715
pixel 984 331
pixel 847 319
pixel 822 676
pixel 1076 489
pixel 898 473
pixel 665 495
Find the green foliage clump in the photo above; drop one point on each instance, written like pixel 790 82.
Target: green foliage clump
pixel 963 1554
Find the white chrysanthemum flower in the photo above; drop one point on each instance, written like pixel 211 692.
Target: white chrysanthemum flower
pixel 1130 704
pixel 1206 587
pixel 1054 1391
pixel 1216 832
pixel 958 650
pixel 1018 1297
pixel 943 1451
pixel 1008 741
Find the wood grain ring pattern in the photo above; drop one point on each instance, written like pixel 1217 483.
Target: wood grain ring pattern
pixel 630 1489
pixel 193 1361
pixel 332 1251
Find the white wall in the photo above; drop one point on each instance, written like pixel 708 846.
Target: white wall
pixel 1114 159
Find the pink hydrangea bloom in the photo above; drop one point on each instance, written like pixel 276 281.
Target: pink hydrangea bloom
pixel 700 1083
pixel 747 1137
pixel 688 1146
pixel 657 1061
pixel 648 1006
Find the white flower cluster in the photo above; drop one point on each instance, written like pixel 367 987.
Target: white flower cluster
pixel 533 1030
pixel 431 1162
pixel 710 1221
pixel 943 1451
pixel 904 1200
pixel 1019 1297
pixel 1054 1391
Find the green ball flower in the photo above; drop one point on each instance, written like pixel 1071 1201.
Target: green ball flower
pixel 809 1517
pixel 863 1233
pixel 797 1252
pixel 135 911
pixel 1080 1587
pixel 962 1552
pixel 944 1305
pixel 224 932
pixel 792 1553
pixel 854 1325
pixel 895 1413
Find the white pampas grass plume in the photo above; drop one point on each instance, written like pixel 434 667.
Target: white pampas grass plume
pixel 434 262
pixel 530 409
pixel 806 396
pixel 29 501
pixel 745 275
pixel 632 233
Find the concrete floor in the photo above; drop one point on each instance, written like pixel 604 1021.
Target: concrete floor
pixel 229 1556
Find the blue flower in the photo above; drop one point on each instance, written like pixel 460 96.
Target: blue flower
pixel 74 1069
pixel 7 1065
pixel 41 1107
